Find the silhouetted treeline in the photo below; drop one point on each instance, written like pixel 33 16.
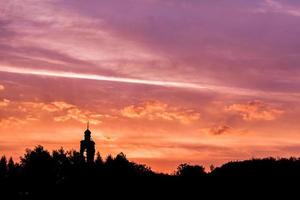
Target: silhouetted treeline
pixel 65 173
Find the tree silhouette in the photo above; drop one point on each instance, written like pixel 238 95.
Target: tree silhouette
pixel 99 161
pixel 190 171
pixel 66 174
pixel 38 167
pixel 3 168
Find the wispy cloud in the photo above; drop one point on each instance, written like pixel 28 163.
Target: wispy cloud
pixel 62 74
pixel 162 83
pixel 279 7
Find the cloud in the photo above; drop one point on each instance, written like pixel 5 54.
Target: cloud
pixel 59 111
pixel 278 7
pixel 4 103
pixel 96 77
pixel 162 83
pixel 63 111
pixel 11 121
pixel 2 87
pixel 51 107
pixel 220 130
pixel 156 110
pixel 74 113
pixel 61 105
pixel 255 110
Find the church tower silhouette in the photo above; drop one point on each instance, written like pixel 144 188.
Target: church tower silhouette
pixel 87 145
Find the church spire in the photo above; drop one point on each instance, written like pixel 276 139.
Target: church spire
pixel 87 145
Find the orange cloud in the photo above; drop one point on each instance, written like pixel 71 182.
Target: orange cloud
pixel 59 111
pixel 2 87
pixel 255 110
pixel 57 106
pixel 156 110
pixel 74 113
pixel 8 122
pixel 220 130
pixel 4 102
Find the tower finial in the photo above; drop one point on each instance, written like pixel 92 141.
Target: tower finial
pixel 88 125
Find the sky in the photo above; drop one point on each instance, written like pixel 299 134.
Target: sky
pixel 164 81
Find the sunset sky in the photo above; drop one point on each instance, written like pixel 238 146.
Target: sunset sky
pixel 164 81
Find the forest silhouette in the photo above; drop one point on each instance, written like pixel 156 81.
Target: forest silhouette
pixel 66 173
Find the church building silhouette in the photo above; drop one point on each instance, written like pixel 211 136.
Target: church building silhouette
pixel 87 146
